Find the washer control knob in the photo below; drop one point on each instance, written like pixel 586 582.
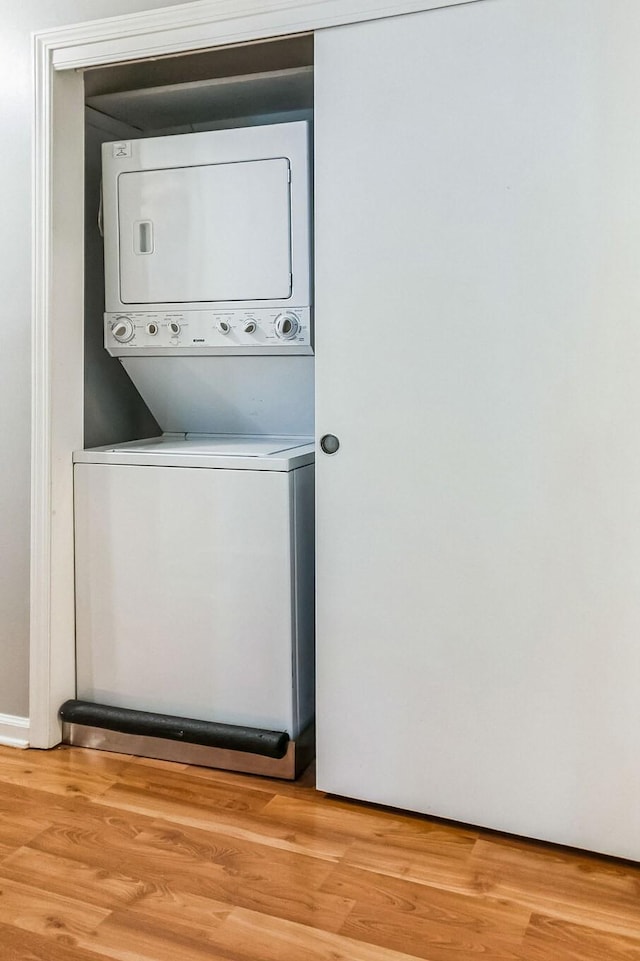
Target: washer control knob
pixel 249 327
pixel 287 326
pixel 122 330
pixel 152 329
pixel 174 328
pixel 223 326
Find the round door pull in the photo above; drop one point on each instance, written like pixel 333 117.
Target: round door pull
pixel 329 443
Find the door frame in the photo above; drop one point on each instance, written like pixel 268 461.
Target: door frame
pixel 57 392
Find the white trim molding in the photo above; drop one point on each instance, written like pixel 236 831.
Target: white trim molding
pixel 40 613
pixel 208 23
pixel 14 731
pixel 57 386
pixel 58 249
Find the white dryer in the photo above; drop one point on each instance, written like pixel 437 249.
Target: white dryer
pixel 194 578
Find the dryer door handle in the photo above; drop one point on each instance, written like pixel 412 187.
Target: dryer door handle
pixel 143 237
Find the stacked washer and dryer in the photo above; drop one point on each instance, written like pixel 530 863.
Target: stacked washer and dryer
pixel 194 549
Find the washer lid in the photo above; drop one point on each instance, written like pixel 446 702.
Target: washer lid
pixel 235 445
pixel 237 451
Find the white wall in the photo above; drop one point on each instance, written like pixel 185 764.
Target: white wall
pixel 17 22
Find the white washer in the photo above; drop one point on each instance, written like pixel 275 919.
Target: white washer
pixel 194 578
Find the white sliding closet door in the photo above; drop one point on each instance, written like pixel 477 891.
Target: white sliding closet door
pixel 478 356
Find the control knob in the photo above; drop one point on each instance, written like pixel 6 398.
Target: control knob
pixel 249 327
pixel 287 326
pixel 174 328
pixel 122 330
pixel 223 326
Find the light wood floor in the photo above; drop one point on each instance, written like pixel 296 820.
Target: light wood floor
pixel 106 856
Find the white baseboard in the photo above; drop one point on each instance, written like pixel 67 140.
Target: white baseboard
pixel 14 731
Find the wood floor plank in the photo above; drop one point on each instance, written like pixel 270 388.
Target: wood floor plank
pixel 439 857
pixel 339 819
pixel 56 783
pixel 63 774
pixel 425 921
pixel 239 858
pixel 78 821
pixel 16 830
pixel 65 759
pixel 549 938
pixel 124 937
pixel 5 851
pixel 247 936
pixel 254 876
pixel 72 878
pixel 581 888
pixel 183 912
pixel 34 909
pixel 233 821
pixel 16 944
pixel 79 759
pixel 182 786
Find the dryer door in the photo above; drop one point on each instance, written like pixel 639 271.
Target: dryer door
pixel 216 232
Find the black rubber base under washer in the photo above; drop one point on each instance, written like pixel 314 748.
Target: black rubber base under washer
pixel 230 737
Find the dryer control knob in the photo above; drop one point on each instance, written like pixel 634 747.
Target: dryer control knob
pixel 122 330
pixel 287 326
pixel 174 328
pixel 249 327
pixel 223 326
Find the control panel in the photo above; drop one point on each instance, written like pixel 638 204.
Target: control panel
pixel 283 331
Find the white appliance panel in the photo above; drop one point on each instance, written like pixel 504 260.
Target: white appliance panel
pixel 186 593
pixel 478 549
pixel 237 395
pixel 205 333
pixel 217 232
